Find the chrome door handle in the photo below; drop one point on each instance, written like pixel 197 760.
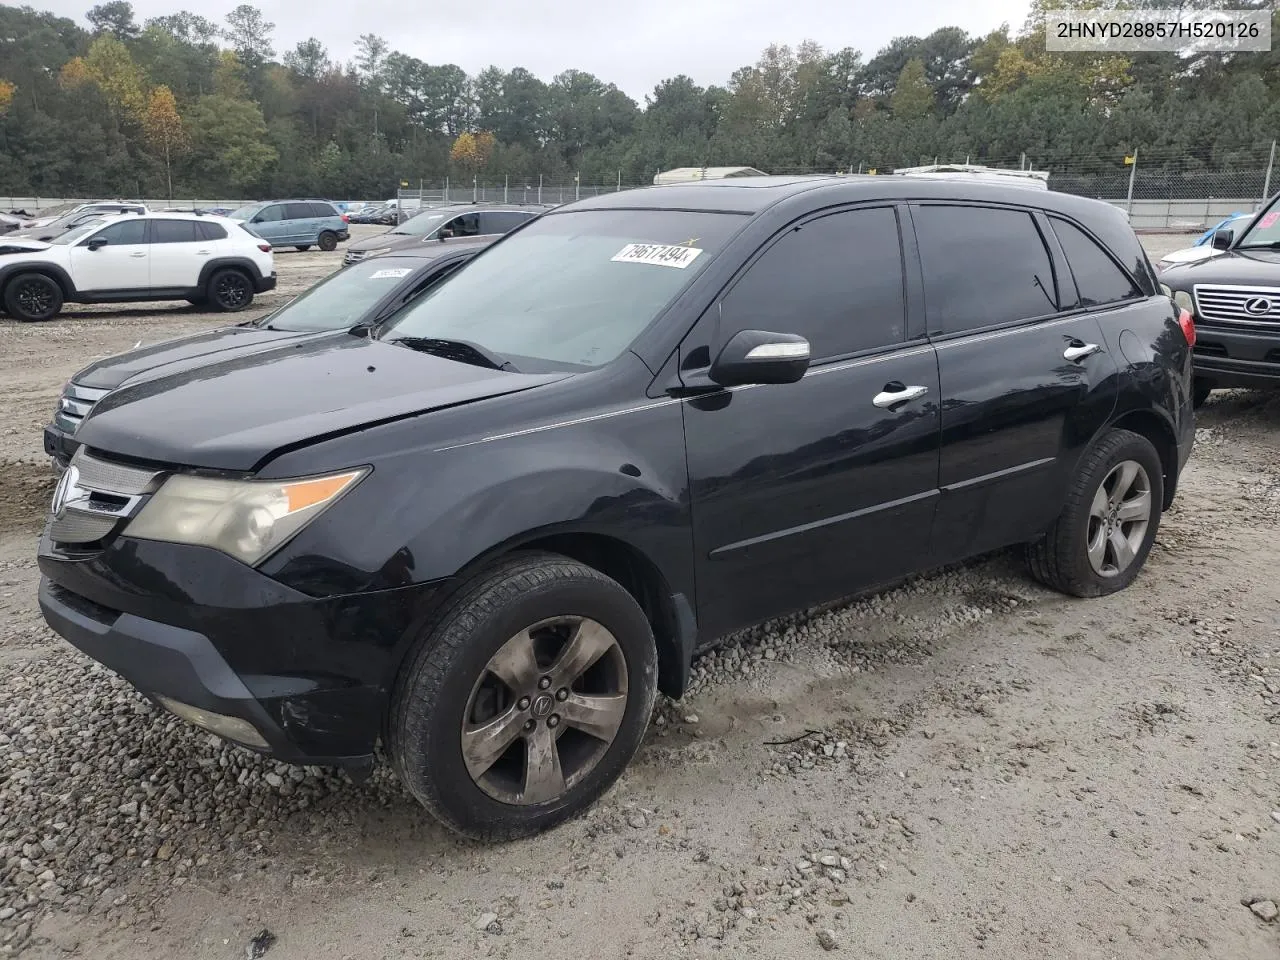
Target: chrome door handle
pixel 889 398
pixel 202 253
pixel 138 255
pixel 1080 352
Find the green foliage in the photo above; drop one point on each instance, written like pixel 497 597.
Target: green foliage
pixel 82 114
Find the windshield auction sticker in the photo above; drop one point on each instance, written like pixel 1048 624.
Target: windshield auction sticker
pixel 392 274
pixel 658 254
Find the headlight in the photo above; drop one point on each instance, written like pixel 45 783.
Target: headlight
pixel 1183 299
pixel 248 519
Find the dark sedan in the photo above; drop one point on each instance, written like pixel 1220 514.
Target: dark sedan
pixel 361 295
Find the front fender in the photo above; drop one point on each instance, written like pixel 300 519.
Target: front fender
pixel 63 278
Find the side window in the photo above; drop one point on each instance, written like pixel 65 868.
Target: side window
pixel 1098 277
pixel 836 280
pixel 982 266
pixel 467 225
pixel 297 211
pixel 319 210
pixel 211 231
pixel 125 232
pixel 501 221
pixel 173 231
pixel 271 214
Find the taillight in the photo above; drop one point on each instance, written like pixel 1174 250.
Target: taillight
pixel 1188 325
pixel 264 247
pixel 345 218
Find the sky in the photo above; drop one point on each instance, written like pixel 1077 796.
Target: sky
pixel 634 45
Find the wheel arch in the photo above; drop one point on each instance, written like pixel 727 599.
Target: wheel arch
pixel 1156 429
pixel 51 270
pixel 244 264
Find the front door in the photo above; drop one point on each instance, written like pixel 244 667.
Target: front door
pixel 123 262
pixel 807 492
pixel 1027 377
pixel 271 225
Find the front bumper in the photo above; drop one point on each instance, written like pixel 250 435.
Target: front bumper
pixel 310 676
pixel 1227 357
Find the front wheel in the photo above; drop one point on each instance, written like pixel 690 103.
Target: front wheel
pixel 1101 539
pixel 525 699
pixel 328 241
pixel 32 297
pixel 229 291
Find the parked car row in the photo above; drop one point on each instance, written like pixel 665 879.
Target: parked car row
pixel 484 517
pixel 460 221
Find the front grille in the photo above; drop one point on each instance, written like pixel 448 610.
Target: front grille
pixel 354 256
pixel 1254 306
pixel 95 496
pixel 74 405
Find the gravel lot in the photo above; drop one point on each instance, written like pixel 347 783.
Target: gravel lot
pixel 966 763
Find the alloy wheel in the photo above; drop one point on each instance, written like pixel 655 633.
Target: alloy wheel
pixel 545 710
pixel 35 298
pixel 1118 518
pixel 232 290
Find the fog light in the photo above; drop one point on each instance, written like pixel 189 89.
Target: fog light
pixel 233 728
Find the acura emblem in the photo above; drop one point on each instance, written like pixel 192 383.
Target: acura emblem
pixel 1257 306
pixel 67 486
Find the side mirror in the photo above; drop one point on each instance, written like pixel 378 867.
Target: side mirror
pixel 1222 239
pixel 257 219
pixel 97 243
pixel 760 357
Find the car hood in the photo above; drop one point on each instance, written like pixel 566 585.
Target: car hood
pixel 22 243
pixel 383 240
pixel 1251 268
pixel 1190 255
pixel 234 413
pixel 182 353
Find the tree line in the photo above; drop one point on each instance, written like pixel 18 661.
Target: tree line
pixel 180 105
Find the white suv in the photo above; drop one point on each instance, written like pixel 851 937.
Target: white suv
pixel 128 258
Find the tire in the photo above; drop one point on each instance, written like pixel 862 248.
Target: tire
pixel 32 297
pixel 1062 558
pixel 197 301
pixel 328 241
pixel 446 688
pixel 229 291
pixel 1200 390
pixel 304 248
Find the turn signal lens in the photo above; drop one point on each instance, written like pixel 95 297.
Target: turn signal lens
pixel 1188 325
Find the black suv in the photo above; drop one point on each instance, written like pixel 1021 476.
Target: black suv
pixel 492 532
pixel 1235 299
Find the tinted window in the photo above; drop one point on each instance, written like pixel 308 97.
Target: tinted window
pixel 1097 276
pixel 173 231
pixel 322 210
pixel 421 225
pixel 342 300
pixel 501 221
pixel 125 232
pixel 297 211
pixel 272 213
pixel 982 266
pixel 211 231
pixel 467 225
pixel 837 281
pixel 570 289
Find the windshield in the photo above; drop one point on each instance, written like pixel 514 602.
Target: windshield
pixel 570 290
pixel 420 225
pixel 344 299
pixel 246 213
pixel 75 233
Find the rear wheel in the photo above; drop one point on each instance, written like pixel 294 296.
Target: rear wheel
pixel 525 699
pixel 32 297
pixel 229 291
pixel 328 241
pixel 1101 539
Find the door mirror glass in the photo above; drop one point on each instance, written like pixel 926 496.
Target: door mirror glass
pixel 96 243
pixel 1222 239
pixel 759 357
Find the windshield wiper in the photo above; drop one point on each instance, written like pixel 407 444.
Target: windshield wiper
pixel 463 351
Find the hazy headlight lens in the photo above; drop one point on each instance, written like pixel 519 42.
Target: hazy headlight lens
pixel 247 519
pixel 1183 299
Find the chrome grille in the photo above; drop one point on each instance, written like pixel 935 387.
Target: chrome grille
pixel 74 405
pixel 94 496
pixel 353 256
pixel 1220 303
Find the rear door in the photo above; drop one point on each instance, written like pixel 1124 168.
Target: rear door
pixel 178 252
pixel 1027 376
pixel 302 224
pixel 806 492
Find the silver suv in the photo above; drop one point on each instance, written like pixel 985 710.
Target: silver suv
pixel 436 224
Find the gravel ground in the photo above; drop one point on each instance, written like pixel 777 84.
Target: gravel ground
pixel 966 763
